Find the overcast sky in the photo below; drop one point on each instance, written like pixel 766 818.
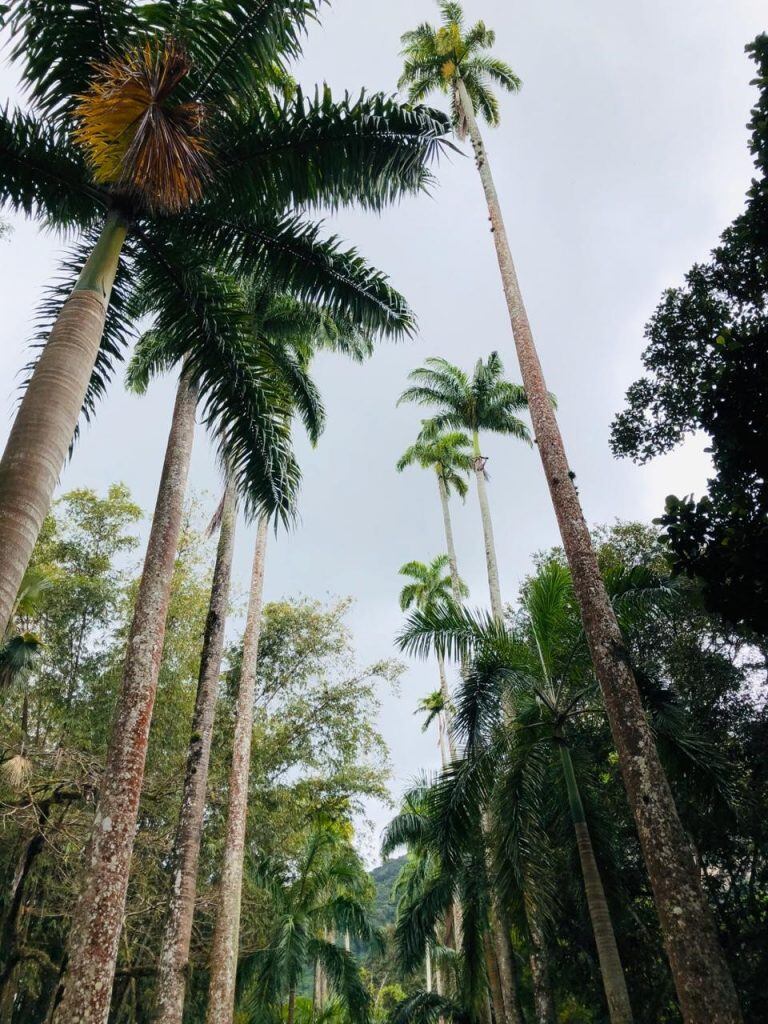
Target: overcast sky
pixel 618 165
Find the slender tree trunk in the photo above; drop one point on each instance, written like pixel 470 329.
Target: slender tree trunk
pixel 505 964
pixel 490 544
pixel 543 1003
pixel 291 1017
pixel 428 970
pixel 226 936
pixel 98 915
pixel 173 961
pixel 445 733
pixel 702 979
pixel 449 542
pixel 45 424
pixel 614 983
pixel 494 981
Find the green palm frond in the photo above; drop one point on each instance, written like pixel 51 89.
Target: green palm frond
pixel 310 152
pixel 482 401
pixel 17 656
pixel 43 175
pixel 437 60
pixel 428 1008
pixel 343 973
pixel 431 584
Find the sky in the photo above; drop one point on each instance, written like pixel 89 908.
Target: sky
pixel 618 165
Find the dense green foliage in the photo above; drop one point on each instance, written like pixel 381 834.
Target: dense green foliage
pixel 707 370
pixel 703 683
pixel 317 753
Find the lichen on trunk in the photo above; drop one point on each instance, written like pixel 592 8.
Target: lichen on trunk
pixel 98 915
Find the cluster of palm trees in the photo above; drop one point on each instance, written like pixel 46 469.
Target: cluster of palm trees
pixel 171 140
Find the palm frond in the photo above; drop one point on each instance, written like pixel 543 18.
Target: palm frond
pixel 291 256
pixel 42 175
pixel 321 152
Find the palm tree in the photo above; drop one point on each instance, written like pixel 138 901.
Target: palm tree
pixel 428 589
pixel 325 891
pixel 244 404
pixel 431 886
pixel 519 709
pixel 182 157
pixel 291 330
pixel 453 59
pixel 484 401
pixel 447 454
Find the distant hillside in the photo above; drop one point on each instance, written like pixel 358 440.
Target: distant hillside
pixel 384 877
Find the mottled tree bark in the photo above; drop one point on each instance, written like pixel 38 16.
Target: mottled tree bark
pixel 226 936
pixel 702 979
pixel 450 546
pixel 45 423
pixel 491 562
pixel 98 915
pixel 173 961
pixel 614 983
pixel 543 1003
pixel 505 963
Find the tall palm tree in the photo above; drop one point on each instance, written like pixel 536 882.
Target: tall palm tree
pixel 453 59
pixel 519 709
pixel 291 330
pixel 447 454
pixel 542 674
pixel 248 408
pixel 226 936
pixel 181 157
pixel 429 588
pixel 484 401
pixel 325 891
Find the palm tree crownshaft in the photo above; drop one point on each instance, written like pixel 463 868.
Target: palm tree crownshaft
pixel 45 425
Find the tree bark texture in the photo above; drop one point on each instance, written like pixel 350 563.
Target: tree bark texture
pixel 226 936
pixel 45 424
pixel 98 916
pixel 450 545
pixel 173 961
pixel 494 588
pixel 614 983
pixel 704 986
pixel 543 1002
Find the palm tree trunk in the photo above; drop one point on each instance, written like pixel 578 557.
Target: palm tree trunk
pixel 226 936
pixel 505 964
pixel 428 970
pixel 98 916
pixel 490 544
pixel 494 981
pixel 449 542
pixel 45 424
pixel 291 1016
pixel 173 961
pixel 543 1002
pixel 614 983
pixel 702 979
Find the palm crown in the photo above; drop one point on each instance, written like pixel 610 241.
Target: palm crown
pixel 484 401
pixel 430 585
pixel 326 888
pixel 437 59
pixel 168 116
pixel 447 453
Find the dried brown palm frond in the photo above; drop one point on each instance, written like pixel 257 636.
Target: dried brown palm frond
pixel 137 140
pixel 16 770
